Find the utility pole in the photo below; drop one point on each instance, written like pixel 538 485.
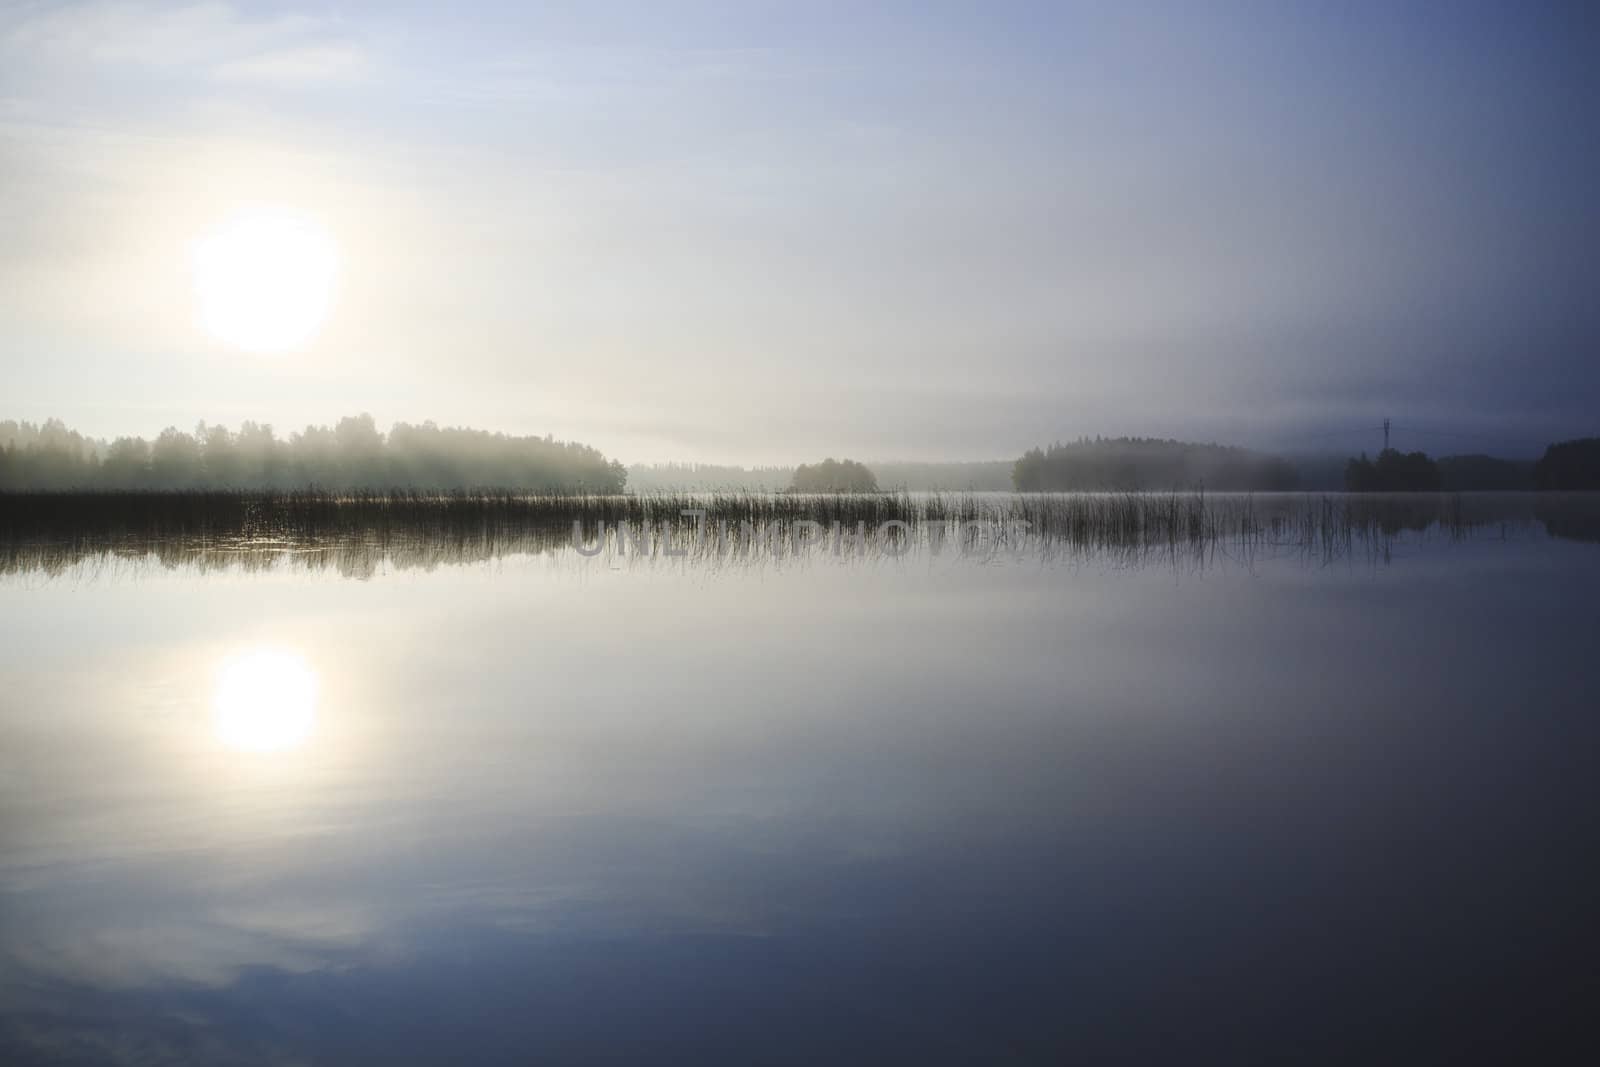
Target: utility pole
pixel 1386 433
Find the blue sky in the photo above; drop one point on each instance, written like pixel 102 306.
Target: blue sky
pixel 761 232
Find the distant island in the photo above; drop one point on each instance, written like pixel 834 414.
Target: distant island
pixel 833 476
pixel 352 454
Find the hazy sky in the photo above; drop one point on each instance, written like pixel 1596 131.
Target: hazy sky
pixel 763 232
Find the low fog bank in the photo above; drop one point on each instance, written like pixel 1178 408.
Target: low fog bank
pixel 354 454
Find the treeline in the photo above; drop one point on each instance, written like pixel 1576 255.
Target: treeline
pixel 1136 463
pixel 1392 472
pixel 350 455
pixel 1140 463
pixel 1566 466
pixel 353 454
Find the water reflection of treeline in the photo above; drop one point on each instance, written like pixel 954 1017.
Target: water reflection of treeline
pixel 359 533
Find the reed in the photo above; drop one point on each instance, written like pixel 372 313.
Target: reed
pixel 424 526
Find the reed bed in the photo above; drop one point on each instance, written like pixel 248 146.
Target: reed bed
pixel 45 529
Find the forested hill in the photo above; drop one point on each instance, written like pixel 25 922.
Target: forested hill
pixel 1142 463
pixel 350 455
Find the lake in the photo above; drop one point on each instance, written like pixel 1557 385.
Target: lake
pixel 451 799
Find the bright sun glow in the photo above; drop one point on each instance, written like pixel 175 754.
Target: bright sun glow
pixel 264 280
pixel 266 701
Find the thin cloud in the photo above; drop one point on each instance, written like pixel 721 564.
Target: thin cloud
pixel 292 66
pixel 207 39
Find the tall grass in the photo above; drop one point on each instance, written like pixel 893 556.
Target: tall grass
pixel 43 529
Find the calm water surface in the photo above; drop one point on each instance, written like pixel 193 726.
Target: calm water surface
pixel 548 809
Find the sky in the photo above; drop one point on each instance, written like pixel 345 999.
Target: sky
pixel 763 233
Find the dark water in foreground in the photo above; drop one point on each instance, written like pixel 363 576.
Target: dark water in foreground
pixel 495 807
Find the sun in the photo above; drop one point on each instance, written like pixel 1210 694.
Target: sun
pixel 264 280
pixel 265 701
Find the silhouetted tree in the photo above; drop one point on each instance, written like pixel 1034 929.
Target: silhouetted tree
pixel 1569 465
pixel 1393 472
pixel 127 464
pixel 175 460
pixel 833 476
pixel 1028 475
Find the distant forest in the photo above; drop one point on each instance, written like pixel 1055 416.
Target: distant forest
pixel 1134 463
pixel 354 454
pixel 351 455
pixel 1568 465
pixel 1393 472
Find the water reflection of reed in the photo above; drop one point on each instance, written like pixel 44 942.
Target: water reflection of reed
pixel 357 534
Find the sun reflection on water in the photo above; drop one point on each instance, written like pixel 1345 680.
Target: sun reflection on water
pixel 265 700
